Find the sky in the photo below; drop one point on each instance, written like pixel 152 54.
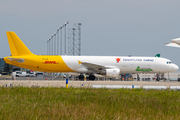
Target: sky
pixel 109 27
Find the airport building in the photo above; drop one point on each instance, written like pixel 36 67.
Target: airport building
pixel 2 63
pixel 15 68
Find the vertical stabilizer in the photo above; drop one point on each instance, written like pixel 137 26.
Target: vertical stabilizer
pixel 17 47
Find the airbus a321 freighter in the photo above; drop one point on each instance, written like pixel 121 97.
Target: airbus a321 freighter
pixel 110 66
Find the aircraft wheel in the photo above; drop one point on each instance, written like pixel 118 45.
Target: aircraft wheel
pixel 178 79
pixel 157 79
pixel 138 78
pixel 81 77
pixel 92 77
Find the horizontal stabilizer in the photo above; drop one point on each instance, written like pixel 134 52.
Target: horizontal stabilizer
pixel 20 60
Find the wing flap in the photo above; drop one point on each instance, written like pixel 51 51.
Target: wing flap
pixel 95 67
pixel 92 66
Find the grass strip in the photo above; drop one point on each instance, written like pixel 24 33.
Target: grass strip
pixel 82 103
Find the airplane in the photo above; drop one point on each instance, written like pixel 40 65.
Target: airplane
pixel 175 43
pixel 110 66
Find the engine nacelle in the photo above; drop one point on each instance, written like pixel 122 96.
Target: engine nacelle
pixel 110 72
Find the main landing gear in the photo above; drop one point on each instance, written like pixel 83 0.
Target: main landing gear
pixel 81 77
pixel 91 77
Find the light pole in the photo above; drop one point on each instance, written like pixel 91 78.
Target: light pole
pixel 57 41
pixel 47 46
pixel 54 43
pixel 65 35
pixel 61 38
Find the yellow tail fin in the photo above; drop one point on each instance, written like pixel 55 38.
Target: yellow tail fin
pixel 17 47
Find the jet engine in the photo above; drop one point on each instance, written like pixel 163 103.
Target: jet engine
pixel 110 72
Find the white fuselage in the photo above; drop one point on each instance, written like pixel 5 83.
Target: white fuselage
pixel 125 64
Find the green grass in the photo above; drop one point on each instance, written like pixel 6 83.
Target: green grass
pixel 81 103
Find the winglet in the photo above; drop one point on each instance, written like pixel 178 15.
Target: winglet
pixel 157 55
pixel 17 47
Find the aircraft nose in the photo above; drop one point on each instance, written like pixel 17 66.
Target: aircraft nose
pixel 175 67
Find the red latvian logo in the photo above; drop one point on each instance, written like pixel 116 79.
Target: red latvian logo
pixel 50 62
pixel 118 59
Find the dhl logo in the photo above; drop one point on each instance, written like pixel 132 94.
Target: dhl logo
pixel 51 62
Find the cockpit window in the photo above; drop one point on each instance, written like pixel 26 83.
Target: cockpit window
pixel 169 62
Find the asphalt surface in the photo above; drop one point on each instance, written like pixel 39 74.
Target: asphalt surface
pixel 87 84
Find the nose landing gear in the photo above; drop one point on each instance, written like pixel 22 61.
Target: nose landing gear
pixel 160 78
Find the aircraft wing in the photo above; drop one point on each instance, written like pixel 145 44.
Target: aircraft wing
pixel 91 66
pixel 172 45
pixel 95 67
